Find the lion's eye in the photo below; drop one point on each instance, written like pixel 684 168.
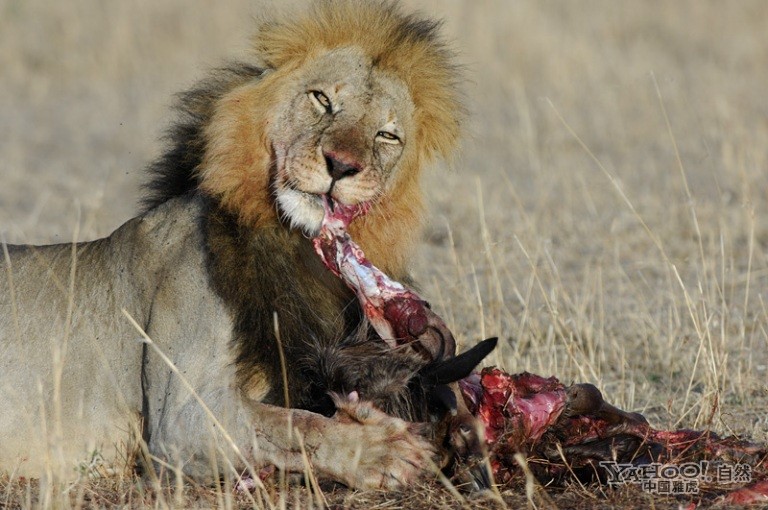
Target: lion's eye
pixel 387 137
pixel 322 100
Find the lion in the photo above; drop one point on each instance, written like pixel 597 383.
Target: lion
pixel 204 332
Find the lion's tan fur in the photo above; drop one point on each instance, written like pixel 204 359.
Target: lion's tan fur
pixel 206 267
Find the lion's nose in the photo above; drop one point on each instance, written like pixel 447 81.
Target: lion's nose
pixel 339 169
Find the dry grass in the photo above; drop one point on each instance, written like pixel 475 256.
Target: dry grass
pixel 607 218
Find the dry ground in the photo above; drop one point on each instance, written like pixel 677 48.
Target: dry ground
pixel 607 216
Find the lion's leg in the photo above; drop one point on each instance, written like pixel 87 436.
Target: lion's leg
pixel 360 446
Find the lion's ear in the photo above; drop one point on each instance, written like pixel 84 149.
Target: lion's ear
pixel 276 43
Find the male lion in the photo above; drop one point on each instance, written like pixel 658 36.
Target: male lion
pixel 350 99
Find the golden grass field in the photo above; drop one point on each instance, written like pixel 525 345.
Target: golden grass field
pixel 607 216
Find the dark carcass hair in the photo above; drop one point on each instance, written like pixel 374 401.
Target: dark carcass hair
pixel 398 381
pixel 369 367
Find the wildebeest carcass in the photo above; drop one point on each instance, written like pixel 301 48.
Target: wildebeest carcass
pixel 563 431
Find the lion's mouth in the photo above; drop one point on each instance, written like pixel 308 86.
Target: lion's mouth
pixel 324 200
pixel 315 197
pixel 304 209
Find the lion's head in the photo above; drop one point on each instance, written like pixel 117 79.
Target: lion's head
pixel 343 133
pixel 350 97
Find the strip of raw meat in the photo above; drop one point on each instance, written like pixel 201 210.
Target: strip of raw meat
pixel 399 315
pixel 402 317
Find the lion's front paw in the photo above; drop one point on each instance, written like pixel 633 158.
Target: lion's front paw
pixel 367 448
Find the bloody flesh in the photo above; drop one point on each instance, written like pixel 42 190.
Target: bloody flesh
pixel 567 431
pixel 398 314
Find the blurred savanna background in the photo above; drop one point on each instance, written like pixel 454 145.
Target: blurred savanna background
pixel 606 217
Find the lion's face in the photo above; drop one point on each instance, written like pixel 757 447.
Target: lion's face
pixel 341 130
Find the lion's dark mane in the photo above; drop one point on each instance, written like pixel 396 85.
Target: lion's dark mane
pixel 174 173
